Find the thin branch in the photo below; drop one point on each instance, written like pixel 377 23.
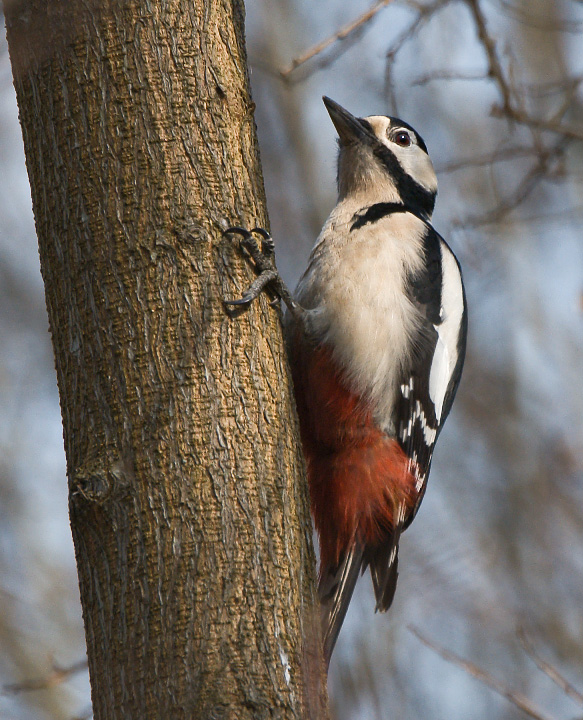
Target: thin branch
pixel 56 676
pixel 342 34
pixel 502 155
pixel 570 85
pixel 424 12
pixel 548 669
pixel 541 217
pixel 574 27
pixel 552 87
pixel 568 131
pixel 446 75
pixel 324 60
pixel 508 108
pixel 540 171
pixel 517 699
pixel 494 66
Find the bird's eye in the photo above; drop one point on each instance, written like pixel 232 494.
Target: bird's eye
pixel 403 138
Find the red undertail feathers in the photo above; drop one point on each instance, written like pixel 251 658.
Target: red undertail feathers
pixel 361 485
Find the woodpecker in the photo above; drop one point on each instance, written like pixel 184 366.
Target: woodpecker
pixel 376 333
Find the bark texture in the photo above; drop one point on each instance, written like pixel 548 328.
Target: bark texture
pixel 187 492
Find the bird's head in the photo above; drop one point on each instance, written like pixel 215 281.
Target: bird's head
pixel 384 158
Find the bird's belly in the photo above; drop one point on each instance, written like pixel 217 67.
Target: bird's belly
pixel 360 478
pixel 364 316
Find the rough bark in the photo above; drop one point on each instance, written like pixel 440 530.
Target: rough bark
pixel 187 491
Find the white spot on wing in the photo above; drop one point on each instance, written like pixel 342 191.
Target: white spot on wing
pixel 419 473
pixel 429 433
pixel 441 369
pixel 392 555
pixel 401 514
pixel 445 355
pixel 406 389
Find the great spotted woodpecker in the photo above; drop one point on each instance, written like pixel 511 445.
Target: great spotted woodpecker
pixel 376 332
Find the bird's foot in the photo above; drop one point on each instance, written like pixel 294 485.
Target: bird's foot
pixel 263 257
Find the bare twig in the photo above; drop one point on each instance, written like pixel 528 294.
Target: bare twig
pixel 535 89
pixel 342 34
pixel 540 217
pixel 502 155
pixel 548 669
pixel 553 87
pixel 56 676
pixel 541 170
pixel 323 60
pixel 568 131
pixel 517 699
pixel 508 108
pixel 424 12
pixel 494 66
pixel 446 75
pixel 574 27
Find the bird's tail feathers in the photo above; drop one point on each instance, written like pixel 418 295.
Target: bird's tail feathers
pixel 383 561
pixel 335 591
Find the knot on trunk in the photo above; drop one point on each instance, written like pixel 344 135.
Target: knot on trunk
pixel 98 481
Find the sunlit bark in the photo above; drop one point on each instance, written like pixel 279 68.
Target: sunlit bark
pixel 187 493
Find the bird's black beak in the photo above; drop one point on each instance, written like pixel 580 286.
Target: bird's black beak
pixel 350 129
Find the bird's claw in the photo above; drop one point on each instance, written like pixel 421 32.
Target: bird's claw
pixel 263 256
pixel 264 259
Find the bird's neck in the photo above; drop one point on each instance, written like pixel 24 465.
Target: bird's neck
pixel 360 200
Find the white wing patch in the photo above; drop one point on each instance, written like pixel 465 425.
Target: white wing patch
pixel 420 476
pixel 429 433
pixel 446 352
pixel 406 389
pixel 441 368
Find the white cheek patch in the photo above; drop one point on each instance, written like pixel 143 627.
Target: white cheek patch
pixel 417 164
pixel 446 352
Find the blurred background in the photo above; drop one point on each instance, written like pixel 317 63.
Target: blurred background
pixel 495 87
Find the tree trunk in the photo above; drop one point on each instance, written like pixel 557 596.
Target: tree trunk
pixel 187 489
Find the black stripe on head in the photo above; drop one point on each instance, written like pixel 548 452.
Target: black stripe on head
pixel 412 193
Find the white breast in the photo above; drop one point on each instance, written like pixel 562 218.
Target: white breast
pixel 354 289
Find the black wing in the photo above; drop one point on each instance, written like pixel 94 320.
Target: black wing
pixel 430 380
